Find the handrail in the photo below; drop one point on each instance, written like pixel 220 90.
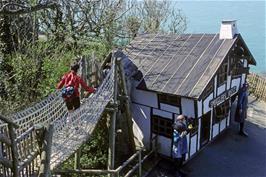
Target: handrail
pixel 9 121
pixel 24 134
pixel 118 170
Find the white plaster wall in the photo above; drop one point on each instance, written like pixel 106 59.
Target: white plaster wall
pixel 236 82
pixel 206 107
pixel 162 113
pixel 170 108
pixel 245 63
pixel 188 107
pixel 165 145
pixel 228 82
pixel 221 89
pixel 199 132
pixel 193 145
pixel 243 79
pixel 141 115
pixel 215 130
pixel 144 97
pixel 187 144
pixel 223 124
pixel 199 104
pixel 228 118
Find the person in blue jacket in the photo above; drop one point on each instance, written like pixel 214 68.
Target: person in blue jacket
pixel 241 109
pixel 180 143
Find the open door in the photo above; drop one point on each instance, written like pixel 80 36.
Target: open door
pixel 205 129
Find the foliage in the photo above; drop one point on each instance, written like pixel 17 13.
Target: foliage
pixel 38 69
pixel 95 151
pixel 37 48
pixel 154 16
pixel 133 25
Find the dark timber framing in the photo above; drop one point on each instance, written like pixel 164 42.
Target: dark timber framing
pixel 185 66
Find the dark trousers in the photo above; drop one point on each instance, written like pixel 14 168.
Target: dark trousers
pixel 241 127
pixel 179 161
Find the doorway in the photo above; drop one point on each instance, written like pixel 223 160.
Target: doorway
pixel 205 129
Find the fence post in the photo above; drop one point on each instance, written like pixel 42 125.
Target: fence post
pixel 156 146
pixel 83 74
pixel 112 126
pixel 46 152
pixel 14 152
pixel 129 121
pixel 77 159
pixel 140 167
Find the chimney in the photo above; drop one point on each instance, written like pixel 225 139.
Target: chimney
pixel 228 29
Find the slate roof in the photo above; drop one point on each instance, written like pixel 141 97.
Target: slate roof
pixel 178 64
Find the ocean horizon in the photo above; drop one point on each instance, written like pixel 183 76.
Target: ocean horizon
pixel 206 17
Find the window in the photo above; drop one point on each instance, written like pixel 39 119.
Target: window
pixel 169 99
pixel 208 90
pixel 162 126
pixel 236 65
pixel 221 111
pixel 222 74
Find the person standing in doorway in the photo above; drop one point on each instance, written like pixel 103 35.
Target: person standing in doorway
pixel 180 144
pixel 241 109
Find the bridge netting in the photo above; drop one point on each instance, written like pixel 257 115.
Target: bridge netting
pixel 71 129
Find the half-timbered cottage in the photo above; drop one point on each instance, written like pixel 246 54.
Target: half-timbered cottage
pixel 197 75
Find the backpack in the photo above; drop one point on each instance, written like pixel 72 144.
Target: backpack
pixel 67 92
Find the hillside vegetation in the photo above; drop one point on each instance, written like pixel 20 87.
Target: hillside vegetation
pixel 40 39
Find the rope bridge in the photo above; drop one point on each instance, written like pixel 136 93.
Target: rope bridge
pixel 70 130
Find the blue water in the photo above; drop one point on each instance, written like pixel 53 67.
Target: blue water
pixel 205 17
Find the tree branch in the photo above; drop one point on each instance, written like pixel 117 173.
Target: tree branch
pixel 25 10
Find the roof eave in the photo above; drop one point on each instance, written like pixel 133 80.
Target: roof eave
pixel 251 59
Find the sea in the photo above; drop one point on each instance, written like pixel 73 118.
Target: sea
pixel 206 16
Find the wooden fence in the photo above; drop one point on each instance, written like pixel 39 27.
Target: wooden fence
pixel 136 161
pixel 257 86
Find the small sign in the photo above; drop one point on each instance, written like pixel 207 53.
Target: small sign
pixel 221 98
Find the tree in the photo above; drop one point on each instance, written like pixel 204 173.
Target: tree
pixel 154 16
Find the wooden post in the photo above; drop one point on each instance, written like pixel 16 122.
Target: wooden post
pixel 89 72
pixel 12 135
pixel 46 152
pixel 156 147
pixel 112 126
pixel 128 110
pixel 93 70
pixel 77 160
pixel 83 75
pixel 140 162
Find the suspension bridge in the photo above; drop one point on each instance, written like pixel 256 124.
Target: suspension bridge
pixel 38 139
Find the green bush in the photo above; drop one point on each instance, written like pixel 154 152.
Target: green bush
pixel 37 69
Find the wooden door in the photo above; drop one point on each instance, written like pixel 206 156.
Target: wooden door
pixel 205 129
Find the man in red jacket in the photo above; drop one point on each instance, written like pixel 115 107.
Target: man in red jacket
pixel 71 81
